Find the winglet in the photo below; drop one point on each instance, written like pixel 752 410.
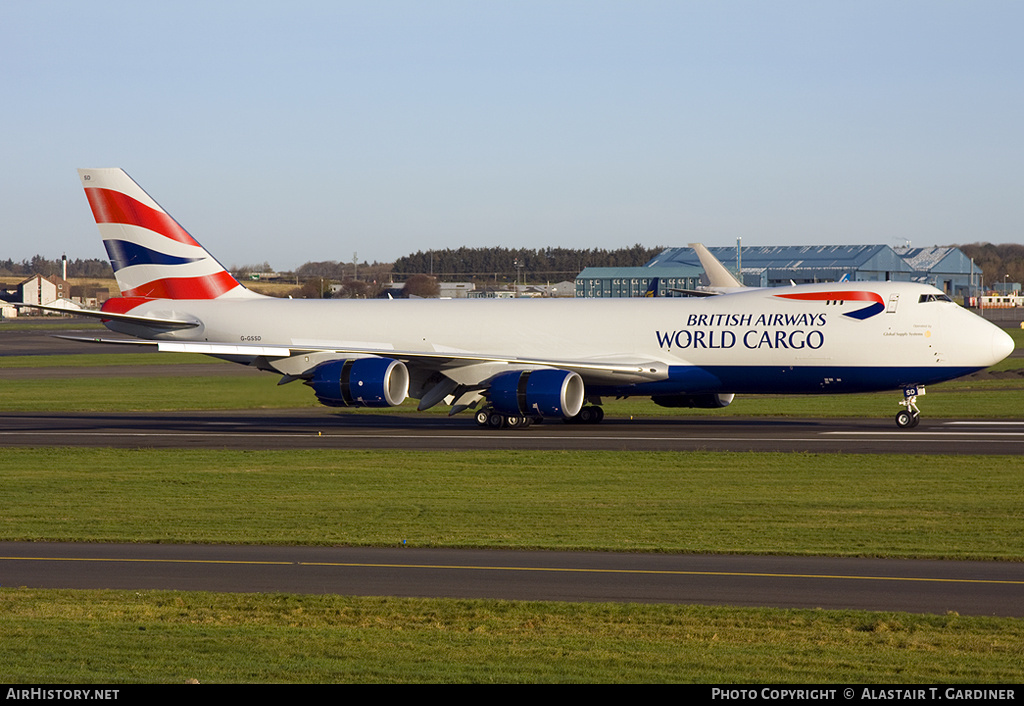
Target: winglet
pixel 718 276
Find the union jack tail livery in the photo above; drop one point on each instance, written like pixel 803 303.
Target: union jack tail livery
pixel 153 257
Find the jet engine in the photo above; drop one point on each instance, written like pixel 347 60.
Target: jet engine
pixel 544 392
pixel 708 400
pixel 361 382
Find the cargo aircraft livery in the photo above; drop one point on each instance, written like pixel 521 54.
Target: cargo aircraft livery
pixel 517 361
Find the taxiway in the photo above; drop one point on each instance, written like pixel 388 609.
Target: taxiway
pixel 968 588
pixel 316 429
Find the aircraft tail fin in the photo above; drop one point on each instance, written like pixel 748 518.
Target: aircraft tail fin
pixel 652 288
pixel 153 257
pixel 718 276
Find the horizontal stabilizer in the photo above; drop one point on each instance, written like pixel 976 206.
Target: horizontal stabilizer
pixel 152 321
pixel 109 341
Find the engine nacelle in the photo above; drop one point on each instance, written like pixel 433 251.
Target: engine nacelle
pixel 708 400
pixel 544 392
pixel 361 382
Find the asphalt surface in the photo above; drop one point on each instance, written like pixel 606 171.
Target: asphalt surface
pixel 316 428
pixel 968 588
pixel 40 338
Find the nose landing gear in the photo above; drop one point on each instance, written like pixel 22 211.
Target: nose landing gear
pixel 911 416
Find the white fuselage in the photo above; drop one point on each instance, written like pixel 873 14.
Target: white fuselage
pixel 754 341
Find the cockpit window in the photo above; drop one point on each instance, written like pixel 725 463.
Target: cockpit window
pixel 933 298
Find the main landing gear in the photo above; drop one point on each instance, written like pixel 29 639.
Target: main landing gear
pixel 911 416
pixel 488 417
pixel 497 420
pixel 591 414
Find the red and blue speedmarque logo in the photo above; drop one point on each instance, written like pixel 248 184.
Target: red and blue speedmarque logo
pixel 877 305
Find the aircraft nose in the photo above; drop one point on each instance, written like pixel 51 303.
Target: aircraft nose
pixel 1002 344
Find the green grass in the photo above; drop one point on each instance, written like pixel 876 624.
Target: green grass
pixel 114 637
pixel 99 360
pixel 153 393
pixel 967 507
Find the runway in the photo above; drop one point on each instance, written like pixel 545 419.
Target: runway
pixel 968 588
pixel 323 428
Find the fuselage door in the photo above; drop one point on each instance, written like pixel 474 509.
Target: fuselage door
pixel 894 299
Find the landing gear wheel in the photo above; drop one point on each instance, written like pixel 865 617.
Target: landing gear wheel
pixel 911 416
pixel 588 415
pixel 907 420
pixel 496 420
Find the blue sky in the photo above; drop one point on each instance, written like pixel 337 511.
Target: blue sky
pixel 291 132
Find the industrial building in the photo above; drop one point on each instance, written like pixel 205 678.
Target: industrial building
pixel 773 266
pixel 635 281
pixel 946 268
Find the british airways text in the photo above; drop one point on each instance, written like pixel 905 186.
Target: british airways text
pixel 762 331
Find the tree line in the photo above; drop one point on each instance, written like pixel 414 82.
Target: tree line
pixel 540 263
pixel 998 262
pixel 39 265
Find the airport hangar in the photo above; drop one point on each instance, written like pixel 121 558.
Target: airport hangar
pixel 778 266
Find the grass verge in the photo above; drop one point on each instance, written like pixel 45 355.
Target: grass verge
pixel 172 637
pixel 966 507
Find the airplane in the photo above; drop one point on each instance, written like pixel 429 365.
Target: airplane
pixel 720 280
pixel 518 361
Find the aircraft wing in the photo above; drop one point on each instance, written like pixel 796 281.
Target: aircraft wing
pixel 462 378
pixel 299 361
pixel 694 292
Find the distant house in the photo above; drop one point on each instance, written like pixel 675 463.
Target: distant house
pixel 45 290
pixel 91 296
pixel 456 290
pixel 37 290
pixel 562 289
